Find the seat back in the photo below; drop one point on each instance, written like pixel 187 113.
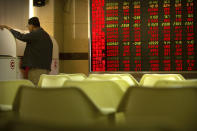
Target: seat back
pixel 123 85
pixel 174 105
pixel 175 84
pixel 105 94
pixel 58 106
pixel 47 81
pixel 77 76
pixel 8 90
pixel 126 77
pixel 129 78
pixel 149 80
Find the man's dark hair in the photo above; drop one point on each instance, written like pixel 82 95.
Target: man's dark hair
pixel 34 21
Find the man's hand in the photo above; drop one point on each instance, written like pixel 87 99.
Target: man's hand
pixel 4 26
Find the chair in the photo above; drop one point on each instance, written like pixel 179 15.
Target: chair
pixel 123 80
pixel 77 76
pixel 48 81
pixel 57 106
pixel 175 84
pixel 105 94
pixel 149 80
pixel 126 77
pixel 8 90
pixel 174 107
pixel 18 125
pixel 123 85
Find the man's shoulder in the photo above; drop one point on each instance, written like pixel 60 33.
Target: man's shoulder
pixel 41 30
pixel 38 32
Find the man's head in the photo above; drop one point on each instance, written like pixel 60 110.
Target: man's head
pixel 33 23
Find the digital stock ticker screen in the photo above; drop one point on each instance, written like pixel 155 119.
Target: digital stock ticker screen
pixel 143 35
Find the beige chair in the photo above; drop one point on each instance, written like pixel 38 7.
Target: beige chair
pixel 105 94
pixel 175 107
pixel 8 90
pixel 48 81
pixel 149 80
pixel 123 80
pixel 76 76
pixel 123 85
pixel 175 84
pixel 126 77
pixel 31 126
pixel 57 106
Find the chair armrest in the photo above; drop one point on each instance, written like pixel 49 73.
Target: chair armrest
pixel 107 111
pixel 5 107
pixel 120 118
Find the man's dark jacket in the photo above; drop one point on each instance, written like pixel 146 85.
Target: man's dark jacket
pixel 38 51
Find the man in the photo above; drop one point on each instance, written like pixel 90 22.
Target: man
pixel 38 52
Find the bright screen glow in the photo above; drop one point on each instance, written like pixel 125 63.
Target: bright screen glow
pixel 143 35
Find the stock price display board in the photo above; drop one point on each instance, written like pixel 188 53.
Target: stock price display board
pixel 143 35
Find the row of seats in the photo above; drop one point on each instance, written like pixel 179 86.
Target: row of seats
pixel 123 80
pixel 139 107
pixel 110 86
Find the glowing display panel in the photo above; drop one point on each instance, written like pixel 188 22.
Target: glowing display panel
pixel 143 35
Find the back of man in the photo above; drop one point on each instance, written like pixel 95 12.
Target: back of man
pixel 38 55
pixel 38 52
